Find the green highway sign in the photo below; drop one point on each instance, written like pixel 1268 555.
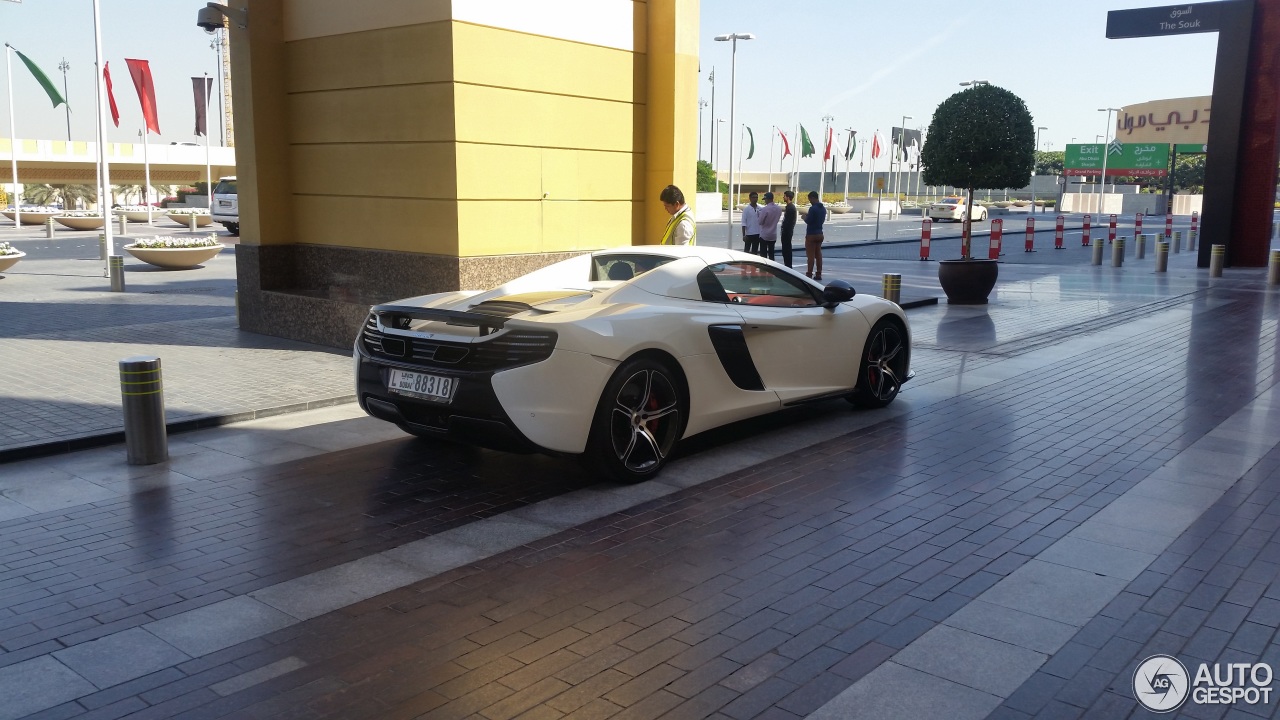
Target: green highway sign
pixel 1190 149
pixel 1132 159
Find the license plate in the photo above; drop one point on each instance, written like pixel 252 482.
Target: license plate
pixel 422 385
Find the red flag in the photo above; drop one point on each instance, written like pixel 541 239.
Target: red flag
pixel 111 98
pixel 786 146
pixel 141 72
pixel 826 155
pixel 875 145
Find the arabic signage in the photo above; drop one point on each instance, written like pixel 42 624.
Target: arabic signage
pixel 1177 120
pixel 1161 21
pixel 1129 159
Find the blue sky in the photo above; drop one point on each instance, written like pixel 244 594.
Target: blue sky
pixel 865 63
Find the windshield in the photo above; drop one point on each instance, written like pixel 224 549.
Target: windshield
pixel 950 201
pixel 225 187
pixel 624 266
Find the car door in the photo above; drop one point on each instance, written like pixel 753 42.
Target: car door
pixel 799 348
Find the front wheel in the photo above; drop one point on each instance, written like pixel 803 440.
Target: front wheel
pixel 883 366
pixel 641 415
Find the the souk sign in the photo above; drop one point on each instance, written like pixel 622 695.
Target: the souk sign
pixel 1123 159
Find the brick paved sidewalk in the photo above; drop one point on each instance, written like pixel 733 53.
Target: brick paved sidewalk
pixel 806 570
pixel 62 333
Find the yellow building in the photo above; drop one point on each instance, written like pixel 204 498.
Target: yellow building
pixel 390 148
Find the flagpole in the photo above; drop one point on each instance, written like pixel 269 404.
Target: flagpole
pixel 146 163
pixel 102 129
pixel 13 138
pixel 208 169
pixel 769 165
pixel 822 164
pixel 795 160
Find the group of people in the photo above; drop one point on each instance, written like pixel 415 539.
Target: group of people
pixel 761 226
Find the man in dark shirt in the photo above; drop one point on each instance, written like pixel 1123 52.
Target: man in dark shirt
pixel 789 215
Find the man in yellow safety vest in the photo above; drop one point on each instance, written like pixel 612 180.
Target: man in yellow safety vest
pixel 681 229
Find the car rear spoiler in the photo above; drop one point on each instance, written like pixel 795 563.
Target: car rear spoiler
pixel 487 323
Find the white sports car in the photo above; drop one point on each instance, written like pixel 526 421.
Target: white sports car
pixel 616 355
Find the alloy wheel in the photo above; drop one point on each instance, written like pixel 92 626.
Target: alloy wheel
pixel 884 363
pixel 645 420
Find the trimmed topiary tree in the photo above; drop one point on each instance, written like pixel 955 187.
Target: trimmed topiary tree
pixel 981 137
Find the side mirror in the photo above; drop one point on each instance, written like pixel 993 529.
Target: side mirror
pixel 836 292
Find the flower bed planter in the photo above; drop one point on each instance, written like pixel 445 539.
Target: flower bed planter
pixel 75 223
pixel 134 216
pixel 33 218
pixel 183 219
pixel 968 282
pixel 175 258
pixel 8 261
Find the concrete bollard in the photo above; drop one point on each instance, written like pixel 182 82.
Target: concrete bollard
pixel 1141 252
pixel 1191 240
pixel 48 229
pixel 1177 241
pixel 1162 256
pixel 142 397
pixel 1117 253
pixel 1097 251
pixel 115 270
pixel 1217 254
pixel 102 246
pixel 191 222
pixel 1273 269
pixel 892 287
pixel 124 225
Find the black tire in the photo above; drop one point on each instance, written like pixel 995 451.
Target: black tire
pixel 233 228
pixel 640 417
pixel 881 367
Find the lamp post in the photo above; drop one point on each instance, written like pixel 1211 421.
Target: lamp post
pixel 64 66
pixel 713 129
pixel 733 39
pixel 715 153
pixel 902 146
pixel 701 104
pixel 1033 172
pixel 1105 141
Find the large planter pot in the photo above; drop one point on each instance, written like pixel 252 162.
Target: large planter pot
pixel 968 282
pixel 79 223
pixel 135 216
pixel 8 261
pixel 185 221
pixel 33 218
pixel 174 258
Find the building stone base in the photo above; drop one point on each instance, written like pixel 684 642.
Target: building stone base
pixel 321 294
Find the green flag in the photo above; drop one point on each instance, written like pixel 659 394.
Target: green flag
pixel 853 145
pixel 751 150
pixel 43 79
pixel 806 145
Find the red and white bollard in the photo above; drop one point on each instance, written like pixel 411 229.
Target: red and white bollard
pixel 1058 230
pixel 1031 236
pixel 1168 226
pixel 1137 225
pixel 1084 239
pixel 997 229
pixel 926 232
pixel 1195 221
pixel 1111 230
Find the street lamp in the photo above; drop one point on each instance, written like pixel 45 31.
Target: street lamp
pixel 715 153
pixel 701 104
pixel 1105 142
pixel 902 147
pixel 1033 172
pixel 64 66
pixel 733 39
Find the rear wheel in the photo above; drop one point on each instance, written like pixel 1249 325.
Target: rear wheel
pixel 641 415
pixel 882 367
pixel 233 228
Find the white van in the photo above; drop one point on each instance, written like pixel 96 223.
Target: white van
pixel 226 208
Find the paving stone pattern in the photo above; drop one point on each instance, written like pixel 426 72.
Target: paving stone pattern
pixel 761 594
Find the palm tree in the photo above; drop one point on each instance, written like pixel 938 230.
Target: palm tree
pixel 64 194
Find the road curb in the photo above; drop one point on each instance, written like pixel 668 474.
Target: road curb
pixel 115 437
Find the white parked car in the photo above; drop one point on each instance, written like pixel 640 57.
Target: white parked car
pixel 225 207
pixel 618 354
pixel 952 208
